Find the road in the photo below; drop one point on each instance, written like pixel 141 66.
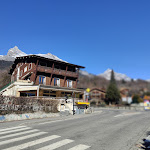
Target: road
pixel 102 130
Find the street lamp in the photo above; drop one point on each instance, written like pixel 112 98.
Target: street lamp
pixel 73 103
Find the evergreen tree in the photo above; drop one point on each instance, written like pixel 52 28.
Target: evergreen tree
pixel 136 99
pixel 112 93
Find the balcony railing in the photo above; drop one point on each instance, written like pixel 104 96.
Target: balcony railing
pixel 57 71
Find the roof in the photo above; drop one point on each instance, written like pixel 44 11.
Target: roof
pixel 146 97
pixel 49 58
pixel 46 57
pixel 98 89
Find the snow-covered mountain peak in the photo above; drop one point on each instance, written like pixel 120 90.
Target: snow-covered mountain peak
pixel 15 52
pixel 50 56
pixel 118 76
pixel 108 70
pixel 85 73
pixel 148 80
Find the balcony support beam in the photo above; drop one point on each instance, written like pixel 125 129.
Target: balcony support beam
pixel 52 74
pixel 35 71
pixel 77 78
pixel 65 76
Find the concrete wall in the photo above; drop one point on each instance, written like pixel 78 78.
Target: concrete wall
pixel 12 117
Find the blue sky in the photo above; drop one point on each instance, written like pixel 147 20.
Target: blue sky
pixel 97 34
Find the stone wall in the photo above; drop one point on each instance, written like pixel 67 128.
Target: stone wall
pixel 20 105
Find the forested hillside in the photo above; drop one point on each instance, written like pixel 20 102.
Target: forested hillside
pixel 4 69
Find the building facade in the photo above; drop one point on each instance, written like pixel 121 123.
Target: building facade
pixel 97 95
pixel 35 75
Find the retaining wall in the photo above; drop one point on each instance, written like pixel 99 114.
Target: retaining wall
pixel 36 115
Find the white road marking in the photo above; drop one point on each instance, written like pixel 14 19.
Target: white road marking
pixel 21 138
pixel 79 147
pixel 56 145
pixel 51 122
pixel 32 143
pixel 16 134
pixel 5 129
pixel 127 114
pixel 16 130
pixel 48 122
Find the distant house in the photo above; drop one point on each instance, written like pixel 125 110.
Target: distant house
pixel 146 97
pixel 125 96
pixel 35 75
pixel 97 95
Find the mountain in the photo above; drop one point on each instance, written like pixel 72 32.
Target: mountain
pixel 85 73
pixel 15 52
pixel 148 80
pixel 12 54
pixel 118 76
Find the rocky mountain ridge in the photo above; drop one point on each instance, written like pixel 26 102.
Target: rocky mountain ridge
pixel 16 52
pixel 107 75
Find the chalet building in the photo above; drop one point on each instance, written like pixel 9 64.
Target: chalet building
pixel 36 75
pixel 125 95
pixel 97 95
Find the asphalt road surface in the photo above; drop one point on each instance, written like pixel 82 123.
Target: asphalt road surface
pixel 102 130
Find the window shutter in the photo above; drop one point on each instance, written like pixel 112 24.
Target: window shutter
pixel 54 81
pixel 39 80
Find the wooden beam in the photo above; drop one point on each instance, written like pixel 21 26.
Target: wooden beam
pixel 35 71
pixel 77 78
pixel 65 76
pixel 52 74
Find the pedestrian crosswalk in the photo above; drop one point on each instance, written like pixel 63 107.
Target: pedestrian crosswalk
pixel 23 137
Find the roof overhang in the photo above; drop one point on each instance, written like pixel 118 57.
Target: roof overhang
pixel 40 57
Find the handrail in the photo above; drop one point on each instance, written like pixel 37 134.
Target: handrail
pixel 58 71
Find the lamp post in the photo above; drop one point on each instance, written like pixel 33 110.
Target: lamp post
pixel 73 103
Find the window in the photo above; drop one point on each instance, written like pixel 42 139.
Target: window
pixel 25 69
pixel 69 83
pixel 42 80
pixel 30 66
pixel 56 82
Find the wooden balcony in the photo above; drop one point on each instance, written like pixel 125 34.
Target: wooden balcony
pixel 57 71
